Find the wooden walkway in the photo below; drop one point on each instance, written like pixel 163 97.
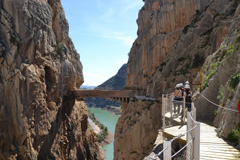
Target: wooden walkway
pixel 211 146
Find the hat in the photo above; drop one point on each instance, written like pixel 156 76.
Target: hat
pixel 180 85
pixel 177 86
pixel 186 82
pixel 187 86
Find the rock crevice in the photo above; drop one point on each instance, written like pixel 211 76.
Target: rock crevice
pixel 39 66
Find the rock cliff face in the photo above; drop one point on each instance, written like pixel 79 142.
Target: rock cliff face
pixel 137 129
pixel 175 37
pixel 158 30
pixel 38 67
pixel 223 86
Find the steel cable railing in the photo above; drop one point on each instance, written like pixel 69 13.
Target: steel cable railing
pixel 168 106
pixel 181 149
pixel 233 110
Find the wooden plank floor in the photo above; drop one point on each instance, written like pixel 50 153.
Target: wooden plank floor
pixel 211 146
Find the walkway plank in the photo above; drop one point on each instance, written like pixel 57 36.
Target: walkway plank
pixel 211 146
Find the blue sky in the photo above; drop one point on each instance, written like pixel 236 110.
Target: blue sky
pixel 103 32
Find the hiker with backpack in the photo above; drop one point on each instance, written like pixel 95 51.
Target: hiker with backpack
pixel 188 97
pixel 178 97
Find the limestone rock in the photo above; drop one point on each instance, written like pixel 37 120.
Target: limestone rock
pixel 172 40
pixel 39 66
pixel 136 129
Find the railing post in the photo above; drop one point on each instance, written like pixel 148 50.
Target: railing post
pixel 196 143
pixel 167 154
pixel 189 137
pixel 163 112
pixel 184 108
pixel 170 100
pixel 194 111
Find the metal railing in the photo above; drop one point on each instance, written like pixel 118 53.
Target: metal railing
pixel 172 110
pixel 192 131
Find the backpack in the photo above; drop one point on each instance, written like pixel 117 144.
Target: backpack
pixel 188 96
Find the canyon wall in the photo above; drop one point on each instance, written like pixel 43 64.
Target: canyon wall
pixel 158 30
pixel 174 38
pixel 39 66
pixel 137 129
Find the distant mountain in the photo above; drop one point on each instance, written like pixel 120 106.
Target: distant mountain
pixel 87 87
pixel 116 82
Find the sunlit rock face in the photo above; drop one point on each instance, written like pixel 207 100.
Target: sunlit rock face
pixel 159 25
pixel 174 37
pixel 38 67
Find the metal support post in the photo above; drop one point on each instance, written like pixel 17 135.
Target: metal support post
pixel 167 154
pixel 170 100
pixel 163 112
pixel 197 142
pixel 183 110
pixel 194 112
pixel 189 137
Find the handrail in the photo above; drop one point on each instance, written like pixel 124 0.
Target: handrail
pixel 156 155
pixel 181 135
pixel 181 149
pixel 233 110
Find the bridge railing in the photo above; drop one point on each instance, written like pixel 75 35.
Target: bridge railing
pixel 172 110
pixel 192 133
pixel 192 145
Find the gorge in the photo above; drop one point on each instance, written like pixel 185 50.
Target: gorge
pixel 40 71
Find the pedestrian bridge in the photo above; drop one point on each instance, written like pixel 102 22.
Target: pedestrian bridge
pixel 122 96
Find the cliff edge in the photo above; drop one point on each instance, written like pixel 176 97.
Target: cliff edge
pixel 174 38
pixel 39 65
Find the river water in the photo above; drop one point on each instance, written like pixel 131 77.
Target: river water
pixel 109 120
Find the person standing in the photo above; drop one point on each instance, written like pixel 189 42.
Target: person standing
pixel 177 99
pixel 188 97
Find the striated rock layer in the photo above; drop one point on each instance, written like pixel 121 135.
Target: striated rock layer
pixel 175 37
pixel 38 67
pixel 158 30
pixel 137 129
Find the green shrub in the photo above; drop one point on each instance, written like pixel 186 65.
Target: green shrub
pixel 238 39
pixel 234 136
pixel 213 70
pixel 235 32
pixel 16 40
pixel 220 93
pixel 60 49
pixel 234 80
pixel 223 112
pixel 231 49
pixel 205 82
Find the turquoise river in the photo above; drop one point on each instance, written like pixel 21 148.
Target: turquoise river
pixel 109 120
